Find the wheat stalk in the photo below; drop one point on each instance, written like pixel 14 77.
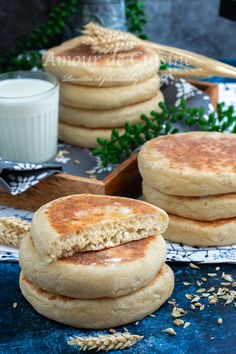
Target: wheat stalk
pixel 105 41
pixel 12 230
pixel 106 342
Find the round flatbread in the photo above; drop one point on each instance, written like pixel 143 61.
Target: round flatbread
pixel 103 98
pixel 83 137
pixel 201 233
pixel 91 222
pixel 101 313
pixel 74 62
pixel 190 164
pixel 113 118
pixel 212 207
pixel 112 272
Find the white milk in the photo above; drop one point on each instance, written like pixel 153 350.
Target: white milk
pixel 28 118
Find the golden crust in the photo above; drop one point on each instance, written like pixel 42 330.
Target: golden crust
pixel 190 164
pixel 199 151
pixel 74 213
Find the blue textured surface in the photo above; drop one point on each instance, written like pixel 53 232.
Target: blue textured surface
pixel 23 330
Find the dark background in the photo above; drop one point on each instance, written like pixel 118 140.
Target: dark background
pixel 190 24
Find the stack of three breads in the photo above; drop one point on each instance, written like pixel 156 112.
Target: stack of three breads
pixel 193 177
pixel 96 261
pixel 99 92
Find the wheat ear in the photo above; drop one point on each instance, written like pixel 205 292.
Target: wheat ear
pixel 12 230
pixel 105 41
pixel 106 342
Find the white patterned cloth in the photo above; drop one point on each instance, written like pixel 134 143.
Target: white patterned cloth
pixel 227 94
pixel 175 252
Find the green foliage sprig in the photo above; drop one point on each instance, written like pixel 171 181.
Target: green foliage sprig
pixel 136 17
pixel 121 146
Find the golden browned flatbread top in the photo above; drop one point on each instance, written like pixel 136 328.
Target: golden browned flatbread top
pixel 191 164
pixel 89 222
pixel 77 212
pixel 209 152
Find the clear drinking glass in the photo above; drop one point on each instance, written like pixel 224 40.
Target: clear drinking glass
pixel 29 103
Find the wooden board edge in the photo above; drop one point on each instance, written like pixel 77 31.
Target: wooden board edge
pixel 56 186
pixel 125 180
pixel 211 89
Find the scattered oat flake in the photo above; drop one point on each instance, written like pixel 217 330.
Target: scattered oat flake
pixel 93 177
pixel 213 301
pixel 211 274
pixel 219 321
pixel 189 296
pixel 195 299
pixel 171 302
pixel 136 323
pixel 225 284
pixel 170 331
pixel 178 312
pixel 14 305
pixel 199 283
pixel 203 279
pixel 217 268
pixel 192 306
pixel 201 290
pixel 152 315
pixel 187 324
pixel 178 322
pixel 227 277
pixel 77 162
pixel 222 291
pixel 211 289
pixel 230 299
pixel 125 329
pixel 192 265
pixel 89 171
pixel 234 284
pixel 202 307
pixel 205 295
pixel 198 304
pixel 62 153
pixel 186 283
pixel 112 330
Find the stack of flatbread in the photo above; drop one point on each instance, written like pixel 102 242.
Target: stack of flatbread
pixel 99 92
pixel 95 261
pixel 193 177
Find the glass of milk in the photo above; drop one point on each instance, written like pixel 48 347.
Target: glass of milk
pixel 28 116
